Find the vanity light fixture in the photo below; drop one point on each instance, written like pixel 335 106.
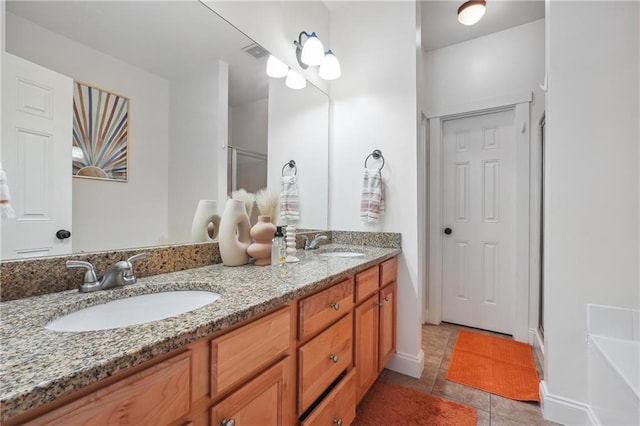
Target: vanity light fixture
pixel 311 52
pixel 295 80
pixel 330 67
pixel 471 11
pixel 276 68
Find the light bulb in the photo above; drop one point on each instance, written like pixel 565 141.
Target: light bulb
pixel 295 80
pixel 330 67
pixel 312 51
pixel 276 68
pixel 471 12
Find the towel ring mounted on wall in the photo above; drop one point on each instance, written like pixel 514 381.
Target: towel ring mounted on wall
pixel 291 164
pixel 377 155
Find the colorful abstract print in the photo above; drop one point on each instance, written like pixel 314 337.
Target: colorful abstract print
pixel 100 133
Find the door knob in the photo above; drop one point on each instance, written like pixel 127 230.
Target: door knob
pixel 63 234
pixel 448 231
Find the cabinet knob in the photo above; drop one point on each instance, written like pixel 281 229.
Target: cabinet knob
pixel 386 298
pixel 337 422
pixel 378 304
pixel 228 422
pixel 335 306
pixel 334 358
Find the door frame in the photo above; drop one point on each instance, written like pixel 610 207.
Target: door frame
pixel 520 103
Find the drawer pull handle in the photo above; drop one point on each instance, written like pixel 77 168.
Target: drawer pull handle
pixel 335 306
pixel 337 422
pixel 334 358
pixel 228 422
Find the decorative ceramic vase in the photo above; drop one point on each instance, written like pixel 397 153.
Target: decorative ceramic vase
pixel 206 222
pixel 262 233
pixel 233 238
pixel 291 244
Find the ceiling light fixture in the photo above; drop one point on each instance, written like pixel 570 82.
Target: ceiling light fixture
pixel 471 11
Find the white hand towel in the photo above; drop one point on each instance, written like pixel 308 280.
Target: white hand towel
pixel 372 204
pixel 289 207
pixel 6 211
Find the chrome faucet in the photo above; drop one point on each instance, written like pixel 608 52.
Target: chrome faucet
pixel 315 243
pixel 117 275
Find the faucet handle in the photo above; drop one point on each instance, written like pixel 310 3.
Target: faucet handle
pixel 128 274
pixel 139 256
pixel 89 275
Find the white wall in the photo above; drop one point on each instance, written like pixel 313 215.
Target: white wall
pixel 502 63
pixel 248 126
pixel 275 24
pixel 193 157
pixel 298 130
pixel 248 123
pixel 591 231
pixel 374 106
pixel 107 213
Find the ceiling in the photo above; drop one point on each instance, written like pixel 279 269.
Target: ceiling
pixel 440 26
pixel 166 38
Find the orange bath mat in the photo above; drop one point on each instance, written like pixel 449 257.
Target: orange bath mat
pixel 493 364
pixel 391 404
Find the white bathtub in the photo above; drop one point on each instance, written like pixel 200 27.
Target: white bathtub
pixel 614 365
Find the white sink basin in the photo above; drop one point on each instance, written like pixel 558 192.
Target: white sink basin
pixel 341 254
pixel 133 310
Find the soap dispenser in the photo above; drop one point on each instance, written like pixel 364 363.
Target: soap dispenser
pixel 278 248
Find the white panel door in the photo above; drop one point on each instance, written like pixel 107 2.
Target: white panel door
pixel 479 210
pixel 37 106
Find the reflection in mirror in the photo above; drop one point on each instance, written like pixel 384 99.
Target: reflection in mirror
pixel 168 59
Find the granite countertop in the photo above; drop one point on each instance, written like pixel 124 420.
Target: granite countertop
pixel 38 365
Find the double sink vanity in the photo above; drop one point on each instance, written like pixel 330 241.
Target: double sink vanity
pixel 299 344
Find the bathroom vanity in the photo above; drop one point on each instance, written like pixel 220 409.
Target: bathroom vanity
pixel 294 345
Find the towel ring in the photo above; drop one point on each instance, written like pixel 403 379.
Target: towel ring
pixel 377 155
pixel 291 164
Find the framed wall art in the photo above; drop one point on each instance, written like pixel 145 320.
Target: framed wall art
pixel 100 134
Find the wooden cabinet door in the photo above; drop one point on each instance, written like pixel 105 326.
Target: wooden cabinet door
pixel 366 345
pixel 387 336
pixel 154 396
pixel 265 400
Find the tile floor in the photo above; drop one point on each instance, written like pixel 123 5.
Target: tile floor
pixel 493 410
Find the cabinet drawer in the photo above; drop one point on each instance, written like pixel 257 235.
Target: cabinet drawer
pixel 366 283
pixel 339 407
pixel 265 400
pixel 388 271
pixel 318 311
pixel 159 394
pixel 322 359
pixel 238 355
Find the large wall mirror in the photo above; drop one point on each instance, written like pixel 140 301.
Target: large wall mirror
pixel 198 98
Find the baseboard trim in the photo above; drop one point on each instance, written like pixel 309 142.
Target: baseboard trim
pixel 407 364
pixel 563 410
